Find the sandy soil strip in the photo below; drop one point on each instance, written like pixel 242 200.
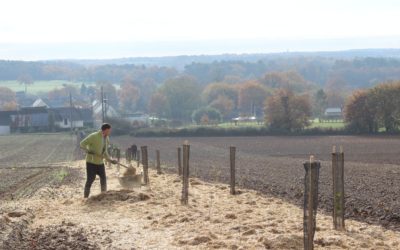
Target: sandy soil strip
pixel 152 218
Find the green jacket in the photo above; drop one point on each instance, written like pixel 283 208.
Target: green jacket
pixel 95 149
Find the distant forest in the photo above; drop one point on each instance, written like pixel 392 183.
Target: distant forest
pixel 210 89
pixel 357 68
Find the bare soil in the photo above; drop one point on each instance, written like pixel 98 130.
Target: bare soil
pixel 274 166
pixel 153 218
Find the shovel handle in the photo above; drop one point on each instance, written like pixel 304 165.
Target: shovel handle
pixel 123 165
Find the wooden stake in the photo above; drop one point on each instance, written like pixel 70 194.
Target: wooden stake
pixel 179 162
pixel 145 164
pixel 232 153
pixel 158 162
pixel 185 179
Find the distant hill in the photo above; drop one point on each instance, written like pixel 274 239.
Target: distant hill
pixel 354 68
pixel 179 62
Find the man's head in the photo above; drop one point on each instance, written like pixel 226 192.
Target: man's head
pixel 106 129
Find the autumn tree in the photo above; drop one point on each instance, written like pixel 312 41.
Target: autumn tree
pixel 128 96
pixel 252 96
pixel 287 111
pixel 110 93
pixel 360 114
pixel 370 110
pixel 289 80
pixel 224 105
pixel 159 105
pixel 336 90
pixel 386 99
pixel 206 115
pixel 8 99
pixel 212 91
pixel 182 94
pixel 26 80
pixel 320 103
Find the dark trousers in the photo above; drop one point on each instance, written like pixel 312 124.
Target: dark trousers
pixel 91 171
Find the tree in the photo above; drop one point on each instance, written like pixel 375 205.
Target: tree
pixel 128 95
pixel 223 104
pixel 214 90
pixel 182 94
pixel 370 110
pixel 336 92
pixel 8 99
pixel 159 105
pixel 360 113
pixel 26 80
pixel 205 115
pixel 385 99
pixel 252 96
pixel 320 103
pixel 289 80
pixel 110 93
pixel 287 111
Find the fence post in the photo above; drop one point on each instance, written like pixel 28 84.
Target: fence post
pixel 185 179
pixel 179 162
pixel 232 153
pixel 338 188
pixel 158 162
pixel 310 201
pixel 118 153
pixel 145 164
pixel 128 156
pixel 138 157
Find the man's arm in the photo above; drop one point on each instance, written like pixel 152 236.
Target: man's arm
pixel 106 155
pixel 85 143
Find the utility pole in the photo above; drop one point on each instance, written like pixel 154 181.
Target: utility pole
pixel 102 105
pixel 70 109
pixel 105 107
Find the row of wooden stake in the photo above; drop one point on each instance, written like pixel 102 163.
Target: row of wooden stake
pixel 311 167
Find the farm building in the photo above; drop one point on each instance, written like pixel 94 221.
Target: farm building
pixel 30 119
pixel 333 113
pixel 39 103
pixel 110 111
pixel 5 121
pixel 80 118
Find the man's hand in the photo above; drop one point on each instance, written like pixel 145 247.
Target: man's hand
pixel 114 161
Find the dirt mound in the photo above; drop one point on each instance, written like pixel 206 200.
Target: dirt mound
pixel 129 171
pixel 121 195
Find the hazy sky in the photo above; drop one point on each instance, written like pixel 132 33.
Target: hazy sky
pixel 28 24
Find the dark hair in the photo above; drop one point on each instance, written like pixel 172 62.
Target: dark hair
pixel 105 126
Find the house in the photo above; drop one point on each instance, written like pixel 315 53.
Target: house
pixel 40 103
pixel 110 111
pixel 67 117
pixel 30 119
pixel 333 113
pixel 5 121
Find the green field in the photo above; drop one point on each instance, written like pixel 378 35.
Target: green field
pixel 40 86
pixel 314 124
pixel 334 125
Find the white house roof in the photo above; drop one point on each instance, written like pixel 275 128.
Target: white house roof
pixel 40 103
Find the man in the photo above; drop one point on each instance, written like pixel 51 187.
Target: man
pixel 96 145
pixel 133 151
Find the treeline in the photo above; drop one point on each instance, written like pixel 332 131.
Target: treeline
pixel 355 72
pixel 13 70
